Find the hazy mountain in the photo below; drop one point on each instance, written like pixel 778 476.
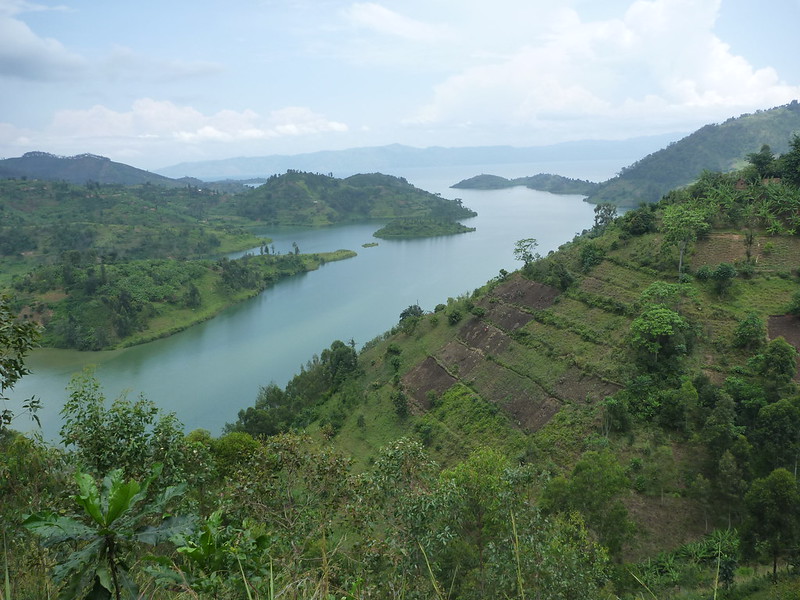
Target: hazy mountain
pixel 80 169
pixel 715 147
pixel 384 158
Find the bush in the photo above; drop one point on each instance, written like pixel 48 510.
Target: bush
pixel 454 317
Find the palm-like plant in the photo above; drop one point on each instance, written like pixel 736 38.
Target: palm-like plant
pixel 114 520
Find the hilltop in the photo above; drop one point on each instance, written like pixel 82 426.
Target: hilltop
pixel 298 198
pixel 91 168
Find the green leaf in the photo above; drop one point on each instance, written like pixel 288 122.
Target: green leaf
pixel 89 497
pixel 56 529
pixel 120 499
pixel 166 530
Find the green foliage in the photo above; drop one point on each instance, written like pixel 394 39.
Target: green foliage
pixel 17 339
pixel 593 489
pixel 308 199
pixel 112 524
pixel 682 224
pixel 659 333
pixel 723 277
pixel 591 255
pixel 772 505
pixel 130 436
pixel 277 411
pixel 525 251
pixel 750 333
pixel 417 228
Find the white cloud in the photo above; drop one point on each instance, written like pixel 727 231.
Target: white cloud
pixel 155 119
pixel 610 71
pixel 382 20
pixel 25 55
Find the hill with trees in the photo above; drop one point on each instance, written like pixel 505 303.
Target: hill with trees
pixel 618 419
pixel 719 147
pixel 109 265
pixel 544 182
pixel 308 199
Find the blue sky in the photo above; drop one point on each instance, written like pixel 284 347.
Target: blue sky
pixel 154 83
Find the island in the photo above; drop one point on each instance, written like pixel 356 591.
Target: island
pixel 543 182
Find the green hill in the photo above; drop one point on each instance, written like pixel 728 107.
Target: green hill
pixel 601 357
pixel 308 199
pixel 545 182
pixel 715 147
pixel 619 419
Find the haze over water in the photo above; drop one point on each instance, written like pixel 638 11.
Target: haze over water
pixel 209 372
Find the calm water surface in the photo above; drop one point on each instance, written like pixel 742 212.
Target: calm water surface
pixel 207 373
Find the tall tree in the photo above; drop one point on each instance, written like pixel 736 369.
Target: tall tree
pixel 773 506
pixel 682 223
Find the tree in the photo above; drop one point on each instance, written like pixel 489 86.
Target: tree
pixel 415 310
pixel 772 504
pixel 750 332
pixel 131 436
pixel 524 250
pixel 776 367
pixel 17 339
pixel 682 224
pixel 723 277
pixel 763 161
pixel 789 163
pixel 593 489
pixel 604 215
pixel 777 435
pixel 659 332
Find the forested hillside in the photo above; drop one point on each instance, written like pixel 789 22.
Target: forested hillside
pixel 297 198
pixel 716 147
pixel 619 419
pixel 103 266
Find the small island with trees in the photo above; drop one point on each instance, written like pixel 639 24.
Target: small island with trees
pixel 543 182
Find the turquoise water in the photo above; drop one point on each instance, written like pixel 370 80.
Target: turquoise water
pixel 209 372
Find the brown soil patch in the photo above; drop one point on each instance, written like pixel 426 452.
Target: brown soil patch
pixel 526 293
pixel 428 376
pixel 507 317
pixel 785 326
pixel 483 336
pixel 526 403
pixel 579 387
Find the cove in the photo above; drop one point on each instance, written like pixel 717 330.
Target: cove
pixel 207 373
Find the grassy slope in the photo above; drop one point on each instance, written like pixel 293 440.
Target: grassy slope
pixel 569 356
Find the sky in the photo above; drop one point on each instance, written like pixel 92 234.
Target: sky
pixel 154 83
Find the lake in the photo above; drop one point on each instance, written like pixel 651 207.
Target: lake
pixel 209 372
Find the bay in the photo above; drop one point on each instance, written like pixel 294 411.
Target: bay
pixel 209 372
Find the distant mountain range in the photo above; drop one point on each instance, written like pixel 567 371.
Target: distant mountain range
pixel 667 163
pixel 386 158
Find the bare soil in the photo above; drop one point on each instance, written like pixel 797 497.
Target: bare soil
pixel 577 386
pixel 526 293
pixel 468 358
pixel 427 376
